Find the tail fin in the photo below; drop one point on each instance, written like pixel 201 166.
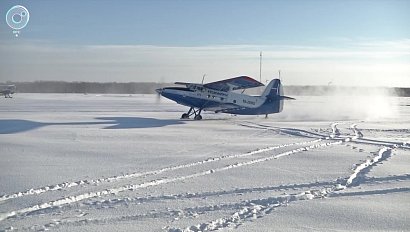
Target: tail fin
pixel 274 95
pixel 273 90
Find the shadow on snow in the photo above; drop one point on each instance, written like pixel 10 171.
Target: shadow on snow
pixel 13 126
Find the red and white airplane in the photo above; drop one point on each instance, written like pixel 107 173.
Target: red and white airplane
pixel 221 97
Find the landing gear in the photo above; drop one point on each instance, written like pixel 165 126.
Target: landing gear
pixel 191 112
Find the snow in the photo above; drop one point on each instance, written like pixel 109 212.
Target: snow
pixel 128 163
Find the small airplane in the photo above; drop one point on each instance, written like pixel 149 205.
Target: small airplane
pixel 221 97
pixel 7 90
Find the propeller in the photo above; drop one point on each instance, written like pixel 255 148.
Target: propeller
pixel 159 91
pixel 160 84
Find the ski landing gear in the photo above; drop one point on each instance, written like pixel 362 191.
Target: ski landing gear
pixel 191 112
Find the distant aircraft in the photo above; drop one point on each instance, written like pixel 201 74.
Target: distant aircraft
pixel 220 97
pixel 7 90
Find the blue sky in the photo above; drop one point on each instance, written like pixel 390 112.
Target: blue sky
pixel 357 42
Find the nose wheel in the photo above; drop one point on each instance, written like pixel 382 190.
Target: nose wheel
pixel 191 112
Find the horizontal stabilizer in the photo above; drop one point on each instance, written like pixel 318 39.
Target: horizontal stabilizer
pixel 287 98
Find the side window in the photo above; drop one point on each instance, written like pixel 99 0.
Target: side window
pixel 234 101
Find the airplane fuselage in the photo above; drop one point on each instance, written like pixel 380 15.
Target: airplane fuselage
pixel 198 96
pixel 223 96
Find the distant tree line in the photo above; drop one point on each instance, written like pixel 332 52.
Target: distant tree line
pixel 86 87
pixel 402 92
pixel 149 88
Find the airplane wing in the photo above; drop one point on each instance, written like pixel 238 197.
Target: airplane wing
pixel 183 83
pixel 242 82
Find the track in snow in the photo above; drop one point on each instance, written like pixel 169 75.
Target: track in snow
pixel 253 209
pixel 66 185
pixel 77 198
pixel 246 210
pixel 74 199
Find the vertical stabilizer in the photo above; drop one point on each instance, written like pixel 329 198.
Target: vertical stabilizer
pixel 273 95
pixel 273 90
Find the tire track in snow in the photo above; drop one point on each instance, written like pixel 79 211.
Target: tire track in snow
pixel 246 210
pixel 251 208
pixel 289 131
pixel 254 209
pixel 359 138
pixel 334 135
pixel 130 187
pixel 66 185
pixel 301 195
pixel 181 196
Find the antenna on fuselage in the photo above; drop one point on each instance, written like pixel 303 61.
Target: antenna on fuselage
pixel 260 67
pixel 203 78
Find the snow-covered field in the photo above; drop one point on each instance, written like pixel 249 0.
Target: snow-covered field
pixel 128 163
